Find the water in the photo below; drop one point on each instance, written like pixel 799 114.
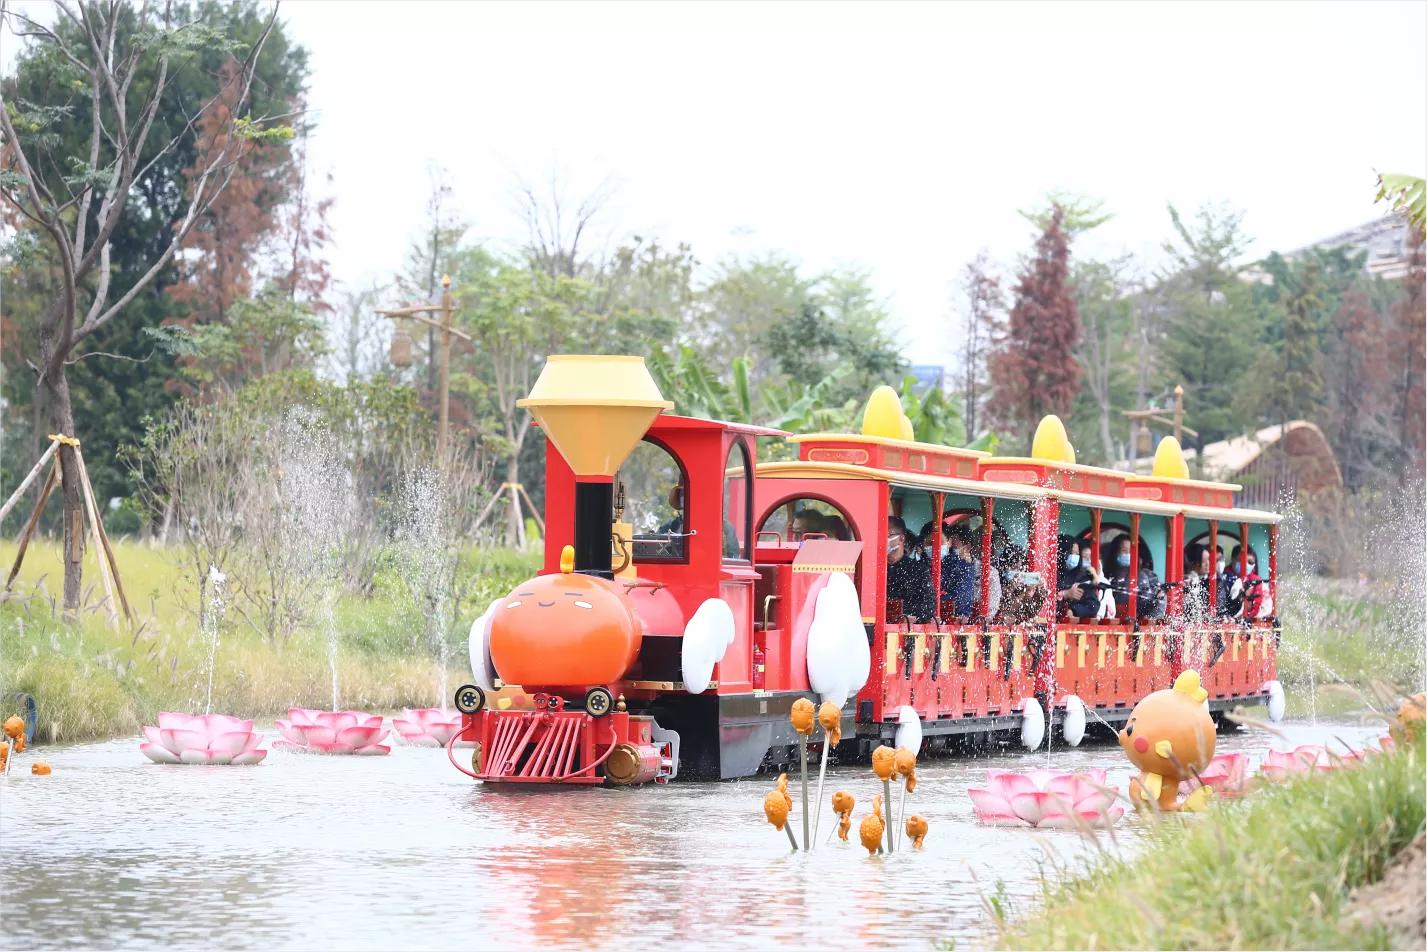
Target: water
pixel 212 619
pixel 112 851
pixel 426 538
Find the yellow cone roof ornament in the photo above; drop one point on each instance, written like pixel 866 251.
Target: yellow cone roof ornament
pixel 1051 442
pixel 1169 460
pixel 884 416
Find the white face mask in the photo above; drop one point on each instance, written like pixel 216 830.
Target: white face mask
pixel 1221 566
pixel 893 543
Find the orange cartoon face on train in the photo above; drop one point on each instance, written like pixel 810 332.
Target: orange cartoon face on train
pixel 564 630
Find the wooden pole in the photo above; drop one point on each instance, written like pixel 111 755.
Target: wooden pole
pixel 539 520
pixel 445 414
pixel 87 493
pixel 25 484
pixel 29 529
pixel 106 550
pixel 1179 415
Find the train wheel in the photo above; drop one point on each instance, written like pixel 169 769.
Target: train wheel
pixel 470 699
pixel 599 702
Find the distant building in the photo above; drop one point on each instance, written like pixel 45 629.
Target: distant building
pixel 929 377
pixel 1387 243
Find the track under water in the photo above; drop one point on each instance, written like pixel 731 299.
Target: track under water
pixel 308 851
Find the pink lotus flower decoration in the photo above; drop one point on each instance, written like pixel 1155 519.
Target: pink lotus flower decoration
pixel 332 732
pixel 202 739
pixel 1045 799
pixel 1310 758
pixel 1227 775
pixel 428 727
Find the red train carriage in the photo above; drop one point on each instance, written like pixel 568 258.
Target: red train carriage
pixel 670 630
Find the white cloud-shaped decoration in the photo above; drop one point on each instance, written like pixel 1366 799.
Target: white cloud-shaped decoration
pixel 1276 700
pixel 1032 723
pixel 706 637
pixel 839 658
pixel 480 647
pixel 909 729
pixel 1073 728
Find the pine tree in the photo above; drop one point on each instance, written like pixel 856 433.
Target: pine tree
pixel 1297 390
pixel 1034 371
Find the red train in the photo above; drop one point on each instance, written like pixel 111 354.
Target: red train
pixel 684 604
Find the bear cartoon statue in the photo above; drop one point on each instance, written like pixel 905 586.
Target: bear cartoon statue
pixel 1170 738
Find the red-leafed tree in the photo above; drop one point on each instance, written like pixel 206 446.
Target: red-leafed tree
pixel 1034 370
pixel 1409 350
pixel 1359 406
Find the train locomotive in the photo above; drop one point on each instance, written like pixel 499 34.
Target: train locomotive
pixel 680 610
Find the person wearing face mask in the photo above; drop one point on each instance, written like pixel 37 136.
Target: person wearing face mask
pixel 908 579
pixel 960 574
pixel 1073 591
pixel 1099 584
pixel 1253 595
pixel 1147 598
pixel 1198 564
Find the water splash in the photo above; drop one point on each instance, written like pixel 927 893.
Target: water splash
pixel 426 561
pixel 211 622
pixel 317 495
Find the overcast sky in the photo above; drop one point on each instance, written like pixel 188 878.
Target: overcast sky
pixel 901 138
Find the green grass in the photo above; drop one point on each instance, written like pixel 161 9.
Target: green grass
pixel 90 679
pixel 1272 871
pixel 1347 632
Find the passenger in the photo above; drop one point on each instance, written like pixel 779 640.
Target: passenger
pixel 1147 598
pixel 806 522
pixel 908 579
pixel 993 604
pixel 960 574
pixel 1099 585
pixel 924 542
pixel 836 528
pixel 1024 592
pixel 1197 566
pixel 1072 582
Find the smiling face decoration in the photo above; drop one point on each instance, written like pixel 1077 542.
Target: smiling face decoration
pixel 565 630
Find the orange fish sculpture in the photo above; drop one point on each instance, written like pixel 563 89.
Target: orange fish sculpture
pixel 14 726
pixel 872 826
pixel 778 803
pixel 1170 738
pixel 830 717
pixel 40 769
pixel 916 830
pixel 842 804
pixel 905 763
pixel 884 762
pixel 802 716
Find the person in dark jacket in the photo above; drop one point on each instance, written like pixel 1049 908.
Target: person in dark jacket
pixel 908 579
pixel 1147 597
pixel 1072 582
pixel 960 573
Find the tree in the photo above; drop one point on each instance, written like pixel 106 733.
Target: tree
pixel 1297 389
pixel 1410 352
pixel 982 328
pixel 76 200
pixel 1034 371
pixel 1105 307
pixel 1358 405
pixel 746 298
pixel 428 258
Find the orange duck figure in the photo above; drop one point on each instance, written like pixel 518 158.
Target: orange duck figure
pixel 842 804
pixel 777 804
pixel 830 717
pixel 905 763
pixel 872 826
pixel 1170 738
pixel 916 830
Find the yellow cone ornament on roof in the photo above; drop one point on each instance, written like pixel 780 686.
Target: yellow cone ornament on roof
pixel 1051 442
pixel 1169 460
pixel 884 416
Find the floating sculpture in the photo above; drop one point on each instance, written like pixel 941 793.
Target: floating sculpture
pixel 1227 775
pixel 427 726
pixel 332 732
pixel 842 804
pixel 776 807
pixel 1170 738
pixel 1046 799
pixel 202 739
pixel 916 830
pixel 884 765
pixel 872 826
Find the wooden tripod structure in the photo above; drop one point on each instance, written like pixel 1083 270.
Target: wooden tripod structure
pixel 108 566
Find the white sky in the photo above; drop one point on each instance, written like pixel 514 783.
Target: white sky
pixel 900 137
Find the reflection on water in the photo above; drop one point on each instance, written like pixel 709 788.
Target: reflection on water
pixel 377 852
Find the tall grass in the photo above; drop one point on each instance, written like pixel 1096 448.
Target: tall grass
pixel 92 680
pixel 1270 872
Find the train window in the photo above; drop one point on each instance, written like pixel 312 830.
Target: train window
pixel 737 501
pixel 792 519
pixel 653 487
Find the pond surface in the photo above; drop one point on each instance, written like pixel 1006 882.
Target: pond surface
pixel 402 851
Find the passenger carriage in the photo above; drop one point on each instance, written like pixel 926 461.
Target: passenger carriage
pixel 684 532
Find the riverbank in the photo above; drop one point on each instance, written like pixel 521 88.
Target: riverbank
pixel 92 680
pixel 1276 870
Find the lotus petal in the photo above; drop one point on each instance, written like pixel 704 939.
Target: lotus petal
pixel 422 740
pixel 374 720
pixel 408 729
pixel 231 744
pixel 319 736
pixel 358 736
pixel 184 722
pixel 289 745
pixel 302 715
pixel 1101 819
pixel 441 734
pixel 152 733
pixel 178 739
pixel 293 733
pixel 1008 785
pixel 372 750
pixel 1032 806
pixel 993 809
pixel 159 754
pixel 249 757
pixel 325 747
pixel 197 756
pixel 254 739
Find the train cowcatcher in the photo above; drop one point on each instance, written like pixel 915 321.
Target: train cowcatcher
pixel 680 602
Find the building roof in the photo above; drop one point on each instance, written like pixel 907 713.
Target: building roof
pixel 1226 459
